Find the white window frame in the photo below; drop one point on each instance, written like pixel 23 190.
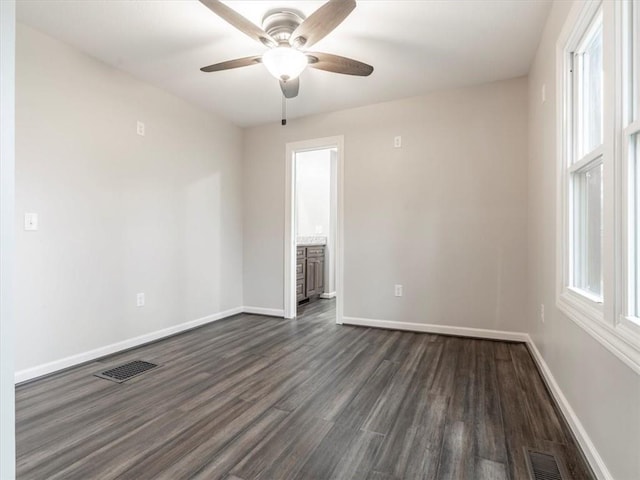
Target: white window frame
pixel 603 319
pixel 578 162
pixel 627 126
pixel 574 302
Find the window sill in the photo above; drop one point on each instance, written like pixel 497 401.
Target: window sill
pixel 619 340
pixel 583 296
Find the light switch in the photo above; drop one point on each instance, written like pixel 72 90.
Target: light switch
pixel 30 221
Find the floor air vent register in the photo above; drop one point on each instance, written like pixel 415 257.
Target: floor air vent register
pixel 127 371
pixel 544 466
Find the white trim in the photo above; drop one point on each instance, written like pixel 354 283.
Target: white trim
pixel 7 237
pixel 328 295
pixel 330 251
pixel 629 327
pixel 438 329
pixel 291 148
pixel 594 301
pixel 56 365
pixel 631 129
pixel 269 312
pixel 575 302
pixel 621 171
pixel 608 336
pixel 626 325
pixel 339 238
pixel 289 234
pixel 593 457
pixel 585 162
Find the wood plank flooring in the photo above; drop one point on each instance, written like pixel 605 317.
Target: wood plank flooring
pixel 255 397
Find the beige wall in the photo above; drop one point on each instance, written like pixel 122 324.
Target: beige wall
pixel 445 215
pixel 119 213
pixel 603 392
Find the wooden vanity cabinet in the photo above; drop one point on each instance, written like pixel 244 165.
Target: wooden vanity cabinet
pixel 309 272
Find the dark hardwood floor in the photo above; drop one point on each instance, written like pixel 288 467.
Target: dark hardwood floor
pixel 254 397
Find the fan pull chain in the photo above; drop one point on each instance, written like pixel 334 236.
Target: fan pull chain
pixel 284 110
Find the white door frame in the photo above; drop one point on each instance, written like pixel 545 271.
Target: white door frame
pixel 337 142
pixel 7 237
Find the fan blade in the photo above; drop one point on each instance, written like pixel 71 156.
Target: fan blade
pixel 321 22
pixel 290 88
pixel 338 64
pixel 234 18
pixel 229 64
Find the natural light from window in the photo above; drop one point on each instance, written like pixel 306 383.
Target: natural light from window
pixel 586 169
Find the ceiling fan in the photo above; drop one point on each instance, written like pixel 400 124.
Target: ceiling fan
pixel 288 34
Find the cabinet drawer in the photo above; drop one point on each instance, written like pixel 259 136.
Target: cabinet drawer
pixel 315 251
pixel 301 252
pixel 300 270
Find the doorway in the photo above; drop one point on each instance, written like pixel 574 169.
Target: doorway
pixel 313 224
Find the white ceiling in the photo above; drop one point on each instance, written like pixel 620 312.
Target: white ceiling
pixel 415 46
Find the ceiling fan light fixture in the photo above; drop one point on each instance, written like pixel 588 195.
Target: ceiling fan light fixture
pixel 285 63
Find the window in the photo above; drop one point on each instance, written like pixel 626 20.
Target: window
pixel 587 80
pixel 584 162
pixel 587 230
pixel 599 190
pixel 630 148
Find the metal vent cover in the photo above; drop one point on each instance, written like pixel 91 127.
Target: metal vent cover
pixel 544 466
pixel 124 372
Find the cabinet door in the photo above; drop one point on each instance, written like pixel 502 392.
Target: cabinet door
pixel 311 276
pixel 320 275
pixel 300 290
pixel 301 279
pixel 300 269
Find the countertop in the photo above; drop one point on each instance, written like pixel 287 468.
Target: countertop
pixel 311 241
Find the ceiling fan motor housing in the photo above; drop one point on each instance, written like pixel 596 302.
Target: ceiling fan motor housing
pixel 280 24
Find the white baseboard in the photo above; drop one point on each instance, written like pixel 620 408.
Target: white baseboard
pixel 593 457
pixel 271 312
pixel 47 368
pixel 328 295
pixel 440 329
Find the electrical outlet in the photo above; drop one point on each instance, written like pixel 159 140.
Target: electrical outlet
pixel 542 312
pixel 398 290
pixel 30 221
pixel 397 141
pixel 140 128
pixel 140 300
